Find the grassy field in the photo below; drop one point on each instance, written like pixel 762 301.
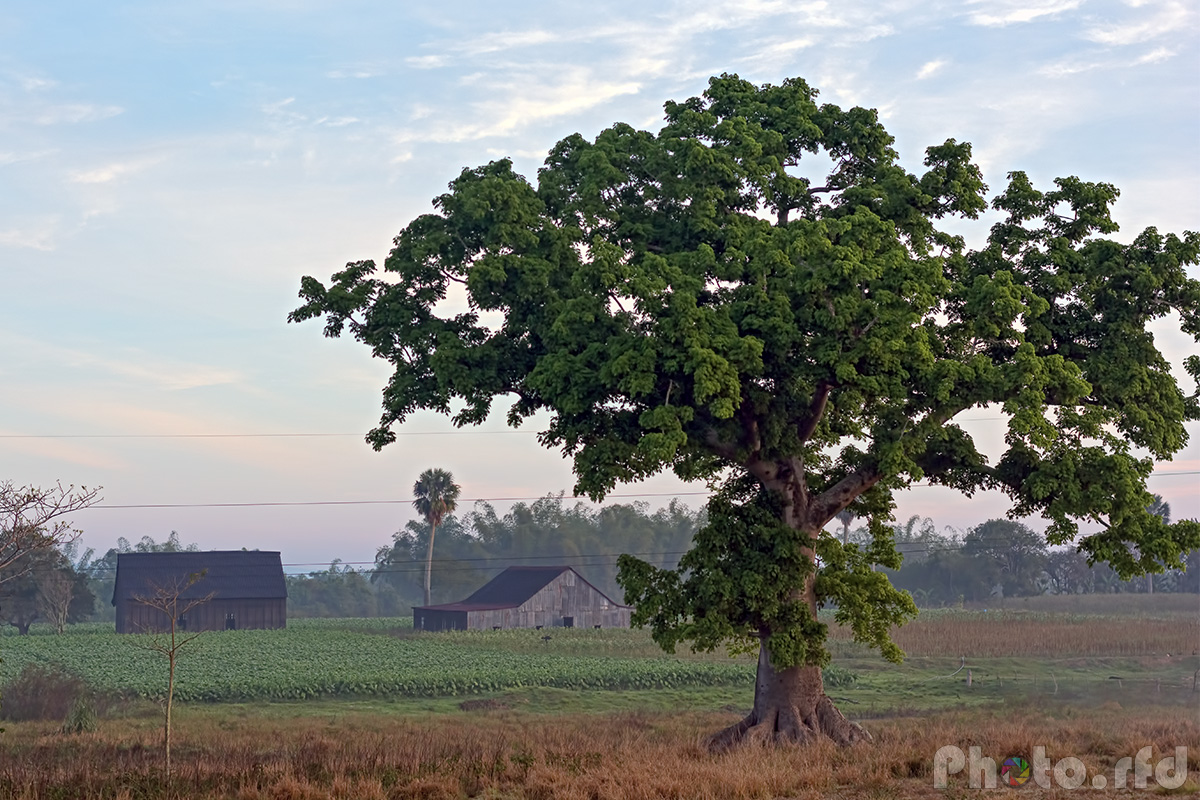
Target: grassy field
pixel 369 708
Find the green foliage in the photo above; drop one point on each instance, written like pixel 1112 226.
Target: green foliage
pixel 436 495
pixel 700 300
pixel 341 591
pixel 743 582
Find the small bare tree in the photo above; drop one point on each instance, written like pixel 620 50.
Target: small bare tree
pixel 55 591
pixel 170 601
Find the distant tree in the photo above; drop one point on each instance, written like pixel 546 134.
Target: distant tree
pixel 436 496
pixel 1012 555
pixel 1161 509
pixel 461 566
pixel 1067 572
pixel 1190 579
pixel 43 585
pixel 846 516
pixel 918 538
pixel 341 591
pixel 55 590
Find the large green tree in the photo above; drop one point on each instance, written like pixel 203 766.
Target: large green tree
pixel 704 300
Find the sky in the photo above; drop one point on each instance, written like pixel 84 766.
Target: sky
pixel 169 171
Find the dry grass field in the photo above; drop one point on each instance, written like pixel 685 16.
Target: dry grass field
pixel 502 754
pixel 1095 686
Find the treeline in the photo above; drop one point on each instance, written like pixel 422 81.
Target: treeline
pixel 471 549
pixel 999 558
pixel 1002 558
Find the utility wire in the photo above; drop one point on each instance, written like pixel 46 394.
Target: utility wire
pixel 375 502
pixel 471 432
pixel 474 499
pixel 903 548
pixel 232 435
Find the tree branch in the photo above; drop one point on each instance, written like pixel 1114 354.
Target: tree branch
pixel 815 411
pixel 829 502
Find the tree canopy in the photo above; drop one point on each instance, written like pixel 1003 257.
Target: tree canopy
pixel 760 294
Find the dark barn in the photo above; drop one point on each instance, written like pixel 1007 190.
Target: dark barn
pixel 247 588
pixel 527 597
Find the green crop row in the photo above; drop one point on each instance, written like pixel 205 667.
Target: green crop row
pixel 322 660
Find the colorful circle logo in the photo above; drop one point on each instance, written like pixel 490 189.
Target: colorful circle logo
pixel 1015 771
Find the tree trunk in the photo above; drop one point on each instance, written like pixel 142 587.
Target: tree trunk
pixel 790 704
pixel 429 563
pixel 790 707
pixel 170 699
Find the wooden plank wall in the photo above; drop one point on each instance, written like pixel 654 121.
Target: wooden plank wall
pixel 211 616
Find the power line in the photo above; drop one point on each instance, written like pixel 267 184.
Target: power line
pixel 232 435
pixel 286 503
pixel 902 547
pixel 375 502
pixel 471 432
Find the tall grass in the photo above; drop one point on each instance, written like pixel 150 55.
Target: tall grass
pixel 627 756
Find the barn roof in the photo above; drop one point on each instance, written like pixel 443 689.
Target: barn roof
pixel 510 589
pixel 228 574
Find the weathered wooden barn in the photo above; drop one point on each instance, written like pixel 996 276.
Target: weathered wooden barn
pixel 527 597
pixel 247 590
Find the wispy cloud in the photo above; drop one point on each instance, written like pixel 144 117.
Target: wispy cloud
pixel 1092 62
pixel 359 73
pixel 930 68
pixel 336 122
pixel 1169 18
pixel 999 13
pixel 75 113
pixel 509 40
pixel 37 237
pixel 521 101
pixel 34 83
pixel 110 172
pixel 426 62
pixel 17 158
pixel 144 369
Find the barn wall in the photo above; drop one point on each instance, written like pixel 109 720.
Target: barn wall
pixel 568 595
pixel 429 619
pixel 133 617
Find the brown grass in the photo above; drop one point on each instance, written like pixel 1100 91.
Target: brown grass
pixel 502 754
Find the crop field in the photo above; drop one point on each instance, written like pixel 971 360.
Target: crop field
pixel 1104 656
pixel 328 660
pixel 371 709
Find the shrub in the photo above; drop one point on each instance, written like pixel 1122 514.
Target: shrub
pixel 41 692
pixel 838 677
pixel 82 718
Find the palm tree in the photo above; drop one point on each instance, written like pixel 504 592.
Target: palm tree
pixel 436 496
pixel 846 516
